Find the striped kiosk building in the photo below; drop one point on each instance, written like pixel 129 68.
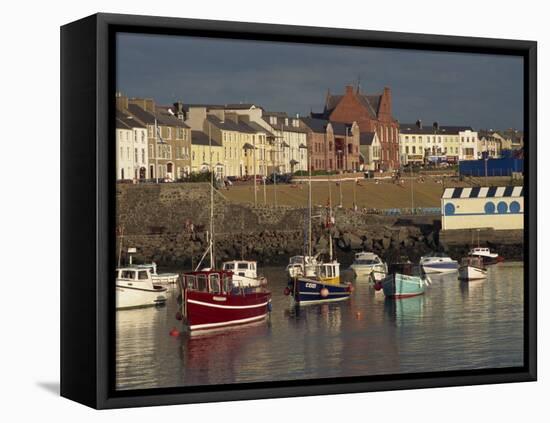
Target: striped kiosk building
pixel 482 207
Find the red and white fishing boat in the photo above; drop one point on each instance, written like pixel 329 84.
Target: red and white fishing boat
pixel 210 297
pixel 210 300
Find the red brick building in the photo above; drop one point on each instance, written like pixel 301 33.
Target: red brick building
pixel 373 113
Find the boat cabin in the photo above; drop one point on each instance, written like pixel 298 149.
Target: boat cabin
pixel 132 274
pixel 480 250
pixel 241 268
pixel 329 271
pixel 214 282
pixel 473 261
pixel 369 259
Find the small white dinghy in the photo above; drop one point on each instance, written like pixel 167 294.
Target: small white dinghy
pixel 135 288
pixel 159 278
pixel 244 273
pixel 472 268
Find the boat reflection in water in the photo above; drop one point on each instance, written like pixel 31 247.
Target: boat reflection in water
pixel 207 355
pixel 406 310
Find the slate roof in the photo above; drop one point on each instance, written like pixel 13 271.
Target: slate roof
pixel 200 138
pixel 129 119
pixel 316 125
pixel 366 138
pixel 411 128
pixel 164 118
pixel 342 129
pixel 230 125
pixel 281 116
pixel 121 125
pixel 370 101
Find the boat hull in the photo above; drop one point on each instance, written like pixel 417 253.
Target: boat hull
pixel 469 273
pixel 440 268
pixel 311 291
pixel 204 311
pixel 127 297
pixel 363 271
pixel 403 286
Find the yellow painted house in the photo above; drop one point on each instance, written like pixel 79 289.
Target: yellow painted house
pixel 201 148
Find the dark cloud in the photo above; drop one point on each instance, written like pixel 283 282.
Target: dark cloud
pixel 485 91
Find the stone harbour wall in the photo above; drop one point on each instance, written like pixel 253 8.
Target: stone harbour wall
pixel 167 223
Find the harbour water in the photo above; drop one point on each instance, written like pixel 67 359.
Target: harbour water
pixel 454 326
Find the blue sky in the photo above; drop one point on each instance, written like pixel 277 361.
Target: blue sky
pixel 484 91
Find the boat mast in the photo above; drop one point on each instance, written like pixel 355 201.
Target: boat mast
pixel 309 249
pixel 211 246
pixel 329 220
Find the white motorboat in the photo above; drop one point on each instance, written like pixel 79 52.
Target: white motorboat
pixel 438 263
pixel 369 264
pixel 159 278
pixel 135 288
pixel 472 268
pixel 486 254
pixel 244 273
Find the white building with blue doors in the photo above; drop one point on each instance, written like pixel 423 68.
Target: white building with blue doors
pixel 482 207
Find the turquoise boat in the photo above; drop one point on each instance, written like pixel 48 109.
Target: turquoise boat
pixel 404 280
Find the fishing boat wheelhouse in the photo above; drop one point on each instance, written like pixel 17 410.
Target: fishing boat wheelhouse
pixel 244 273
pixel 472 268
pixel 211 300
pixel 135 288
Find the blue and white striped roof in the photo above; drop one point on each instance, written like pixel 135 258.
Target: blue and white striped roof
pixel 483 192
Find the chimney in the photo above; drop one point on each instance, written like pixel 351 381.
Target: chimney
pixel 436 126
pixel 419 124
pixel 178 107
pixel 349 89
pixel 121 101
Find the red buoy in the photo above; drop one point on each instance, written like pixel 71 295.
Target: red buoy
pixel 174 332
pixel 179 316
pixel 286 291
pixel 378 286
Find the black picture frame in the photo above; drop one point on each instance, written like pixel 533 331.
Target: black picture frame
pixel 88 195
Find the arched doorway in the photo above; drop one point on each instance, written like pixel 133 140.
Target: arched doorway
pixel 152 171
pixel 142 173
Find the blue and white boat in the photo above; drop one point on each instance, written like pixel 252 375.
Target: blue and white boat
pixel 404 280
pixel 323 288
pixel 438 263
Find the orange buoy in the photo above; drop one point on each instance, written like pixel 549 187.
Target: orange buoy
pixel 324 292
pixel 174 332
pixel 358 315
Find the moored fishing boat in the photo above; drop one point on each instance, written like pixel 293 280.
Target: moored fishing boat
pixel 325 286
pixel 210 300
pixel 404 280
pixel 438 263
pixel 209 297
pixel 244 273
pixel 369 264
pixel 486 255
pixel 135 288
pixel 159 278
pixel 301 266
pixel 472 268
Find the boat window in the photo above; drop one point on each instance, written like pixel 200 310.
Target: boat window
pixel 215 283
pixel 128 274
pixel 142 274
pixel 227 284
pixel 190 281
pixel 228 266
pixel 202 283
pixel 243 265
pixel 367 261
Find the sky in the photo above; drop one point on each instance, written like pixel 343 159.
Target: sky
pixel 480 90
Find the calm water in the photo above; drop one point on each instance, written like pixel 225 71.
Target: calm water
pixel 455 325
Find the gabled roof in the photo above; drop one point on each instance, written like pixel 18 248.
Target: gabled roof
pixel 366 138
pixel 200 138
pixel 129 119
pixel 370 101
pixel 143 115
pixel 121 125
pixel 164 117
pixel 342 129
pixel 281 116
